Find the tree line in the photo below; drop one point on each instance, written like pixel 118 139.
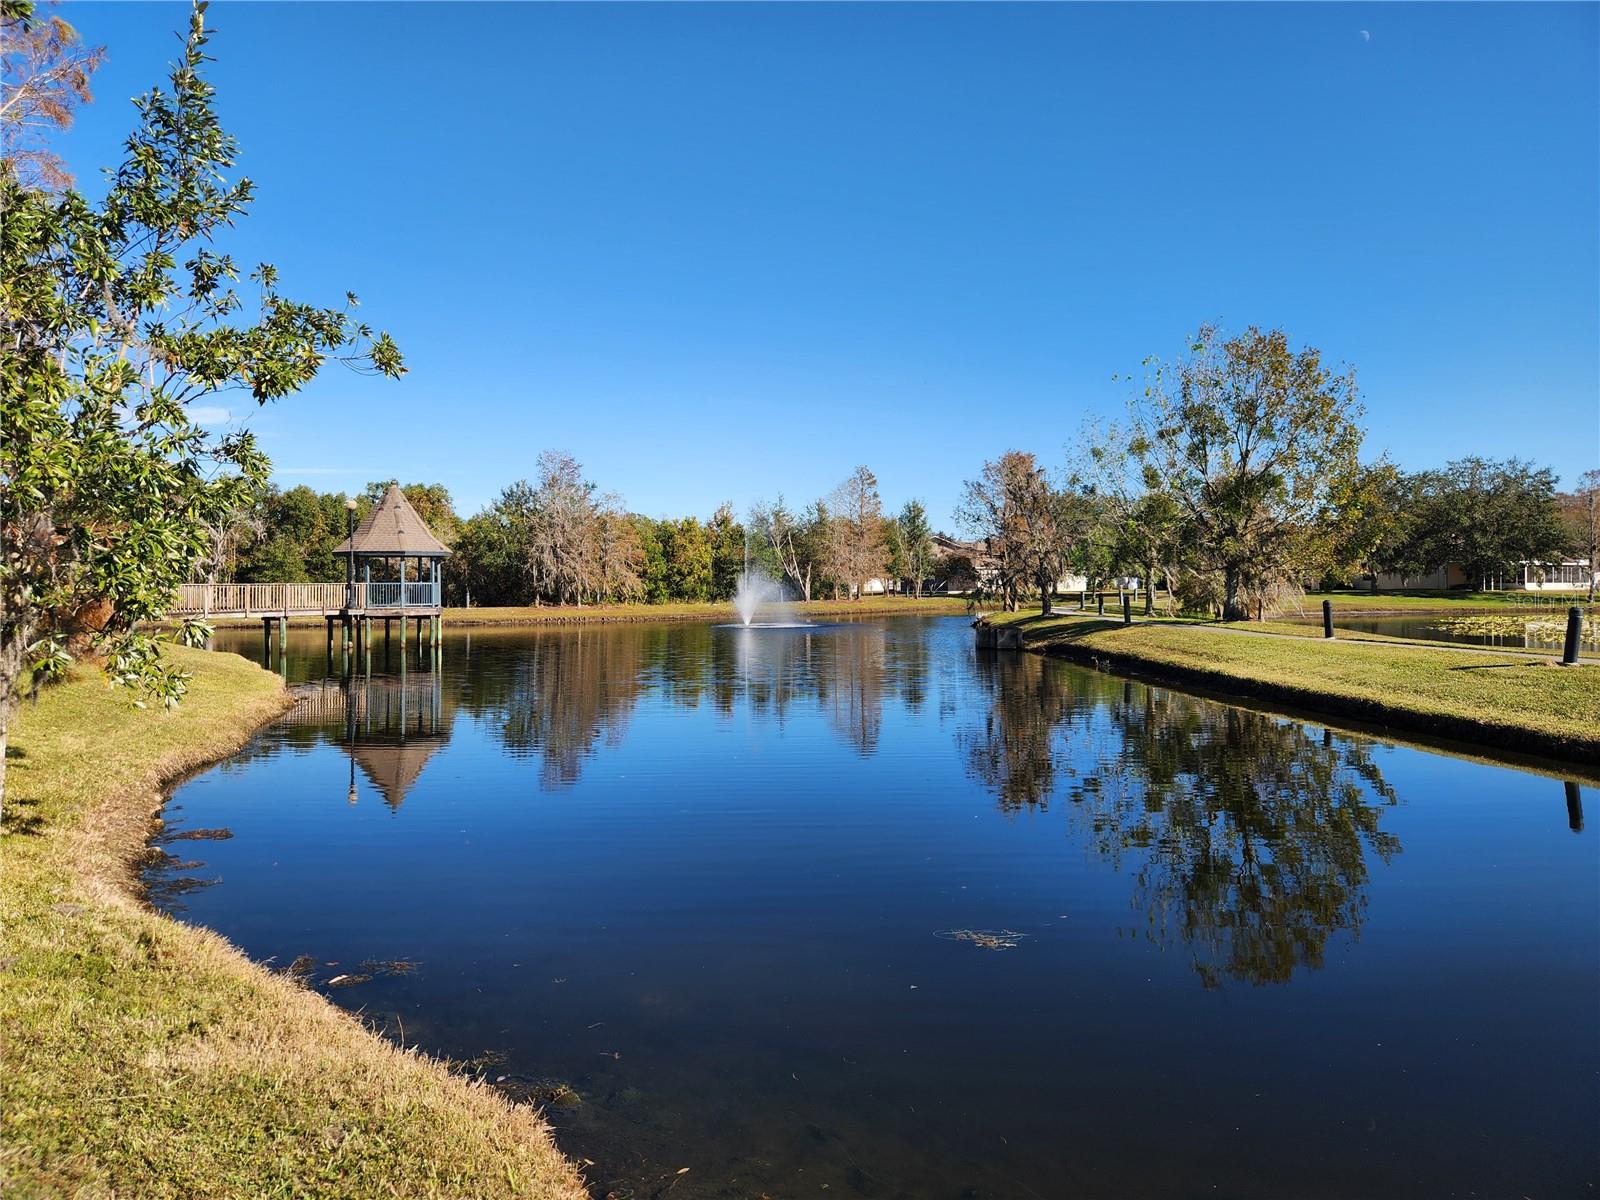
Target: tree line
pixel 1234 483
pixel 558 539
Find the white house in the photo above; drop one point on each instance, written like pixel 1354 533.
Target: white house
pixel 1567 575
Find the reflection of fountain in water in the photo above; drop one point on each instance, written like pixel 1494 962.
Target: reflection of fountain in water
pixel 759 593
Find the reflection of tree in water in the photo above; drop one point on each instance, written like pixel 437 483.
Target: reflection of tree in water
pixel 850 684
pixel 1011 752
pixel 1251 831
pixel 558 699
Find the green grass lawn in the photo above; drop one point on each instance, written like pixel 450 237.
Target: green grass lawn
pixel 1508 700
pixel 147 1058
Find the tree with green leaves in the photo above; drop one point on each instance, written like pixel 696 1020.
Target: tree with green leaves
pixel 685 560
pixel 916 544
pixel 1258 443
pixel 894 549
pixel 727 552
pixel 490 562
pixel 1135 521
pixel 1489 516
pixel 119 315
pixel 1583 521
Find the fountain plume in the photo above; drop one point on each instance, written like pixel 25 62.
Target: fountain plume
pixel 756 590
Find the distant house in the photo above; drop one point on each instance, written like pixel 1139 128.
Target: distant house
pixel 1530 576
pixel 1565 575
pixel 963 566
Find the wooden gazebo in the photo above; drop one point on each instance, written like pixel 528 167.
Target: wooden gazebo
pixel 393 533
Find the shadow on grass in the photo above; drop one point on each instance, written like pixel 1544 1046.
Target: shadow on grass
pixel 19 818
pixel 1062 627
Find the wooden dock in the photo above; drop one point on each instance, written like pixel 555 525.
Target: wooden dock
pixel 332 600
pixel 349 607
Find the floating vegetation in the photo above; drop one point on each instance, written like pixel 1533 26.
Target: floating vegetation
pixel 389 966
pixel 984 939
pixel 480 1065
pixel 349 980
pixel 198 835
pixel 164 893
pixel 300 969
pixel 551 1093
pixel 156 859
pixel 1551 629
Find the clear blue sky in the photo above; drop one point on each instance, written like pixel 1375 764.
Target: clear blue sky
pixel 719 251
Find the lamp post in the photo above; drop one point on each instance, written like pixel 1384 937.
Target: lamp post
pixel 350 728
pixel 350 559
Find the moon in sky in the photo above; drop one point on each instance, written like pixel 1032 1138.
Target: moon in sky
pixel 1366 35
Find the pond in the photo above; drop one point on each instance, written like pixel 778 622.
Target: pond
pixel 1531 630
pixel 857 910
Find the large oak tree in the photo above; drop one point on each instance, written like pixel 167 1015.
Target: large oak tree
pixel 1258 444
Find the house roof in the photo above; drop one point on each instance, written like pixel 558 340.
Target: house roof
pixel 393 528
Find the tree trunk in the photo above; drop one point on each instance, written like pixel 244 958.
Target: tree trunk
pixel 1232 608
pixel 1149 593
pixel 12 652
pixel 1045 597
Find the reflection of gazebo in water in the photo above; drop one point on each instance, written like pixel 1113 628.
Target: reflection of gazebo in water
pixel 390 726
pixel 393 767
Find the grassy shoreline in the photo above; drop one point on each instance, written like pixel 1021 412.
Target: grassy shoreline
pixel 1516 702
pixel 149 1058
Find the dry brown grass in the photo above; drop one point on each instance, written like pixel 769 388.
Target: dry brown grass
pixel 148 1058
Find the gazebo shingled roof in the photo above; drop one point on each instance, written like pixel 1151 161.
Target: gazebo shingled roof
pixel 393 529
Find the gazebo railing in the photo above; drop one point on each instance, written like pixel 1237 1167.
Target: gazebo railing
pixel 378 595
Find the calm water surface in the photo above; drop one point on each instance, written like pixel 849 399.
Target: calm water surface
pixel 724 884
pixel 1536 630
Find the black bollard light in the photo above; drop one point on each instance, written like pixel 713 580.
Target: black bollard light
pixel 1100 599
pixel 1569 653
pixel 1127 610
pixel 1327 618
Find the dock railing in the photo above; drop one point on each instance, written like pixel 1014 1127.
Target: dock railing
pixel 298 599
